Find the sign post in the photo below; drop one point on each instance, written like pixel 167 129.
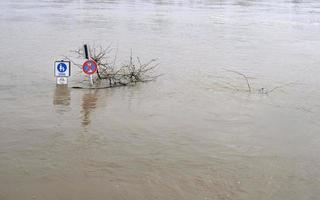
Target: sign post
pixel 90 66
pixel 86 53
pixel 62 70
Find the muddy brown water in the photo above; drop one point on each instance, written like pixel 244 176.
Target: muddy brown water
pixel 195 133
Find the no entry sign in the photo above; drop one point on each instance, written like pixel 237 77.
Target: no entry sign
pixel 89 67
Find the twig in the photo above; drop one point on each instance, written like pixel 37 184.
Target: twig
pixel 278 87
pixel 243 75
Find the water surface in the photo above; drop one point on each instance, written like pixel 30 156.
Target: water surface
pixel 195 133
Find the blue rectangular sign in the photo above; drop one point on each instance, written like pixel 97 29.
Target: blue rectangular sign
pixel 62 68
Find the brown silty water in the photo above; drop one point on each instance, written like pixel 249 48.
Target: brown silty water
pixel 195 133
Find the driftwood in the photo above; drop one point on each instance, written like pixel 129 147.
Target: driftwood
pixel 261 90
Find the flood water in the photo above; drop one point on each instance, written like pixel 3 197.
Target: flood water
pixel 195 133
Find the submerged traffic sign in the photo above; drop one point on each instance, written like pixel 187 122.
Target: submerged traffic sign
pixel 62 68
pixel 62 80
pixel 89 67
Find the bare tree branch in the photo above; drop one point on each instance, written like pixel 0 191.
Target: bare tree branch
pixel 243 75
pixel 129 73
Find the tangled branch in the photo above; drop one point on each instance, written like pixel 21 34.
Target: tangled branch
pixel 129 73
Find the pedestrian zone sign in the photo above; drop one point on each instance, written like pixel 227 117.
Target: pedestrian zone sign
pixel 62 68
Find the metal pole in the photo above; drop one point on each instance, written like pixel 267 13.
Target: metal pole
pixel 86 56
pixel 91 79
pixel 86 53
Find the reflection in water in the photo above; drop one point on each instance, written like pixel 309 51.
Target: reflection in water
pixel 61 95
pixel 89 103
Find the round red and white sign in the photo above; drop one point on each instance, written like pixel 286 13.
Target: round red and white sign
pixel 89 67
